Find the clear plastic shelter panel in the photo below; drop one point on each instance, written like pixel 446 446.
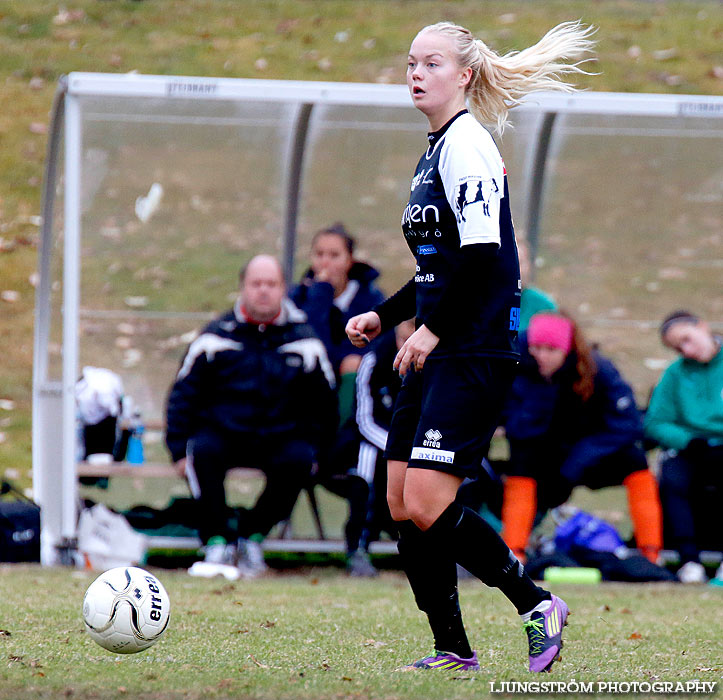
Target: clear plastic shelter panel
pixel 358 170
pixel 176 196
pixel 632 228
pixel 359 163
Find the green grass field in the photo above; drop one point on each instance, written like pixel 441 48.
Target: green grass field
pixel 315 636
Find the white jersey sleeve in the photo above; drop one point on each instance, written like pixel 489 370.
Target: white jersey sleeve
pixel 472 174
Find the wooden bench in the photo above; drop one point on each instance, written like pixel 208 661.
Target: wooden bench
pixel 149 470
pixel 283 542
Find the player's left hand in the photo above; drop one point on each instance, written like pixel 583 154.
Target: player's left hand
pixel 415 350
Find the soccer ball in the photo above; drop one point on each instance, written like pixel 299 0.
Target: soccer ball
pixel 126 610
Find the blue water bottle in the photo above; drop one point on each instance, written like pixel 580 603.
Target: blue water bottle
pixel 134 455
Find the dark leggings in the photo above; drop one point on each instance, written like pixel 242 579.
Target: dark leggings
pixel 690 496
pixel 355 490
pixel 286 463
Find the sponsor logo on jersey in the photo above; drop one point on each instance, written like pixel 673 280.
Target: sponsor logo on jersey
pixel 426 249
pixel 416 214
pixel 472 191
pixel 430 455
pixel 423 177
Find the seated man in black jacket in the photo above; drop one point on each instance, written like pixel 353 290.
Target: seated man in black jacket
pixel 254 389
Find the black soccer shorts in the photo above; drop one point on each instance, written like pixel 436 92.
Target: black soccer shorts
pixel 445 415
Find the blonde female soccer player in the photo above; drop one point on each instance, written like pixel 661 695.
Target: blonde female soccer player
pixel 460 361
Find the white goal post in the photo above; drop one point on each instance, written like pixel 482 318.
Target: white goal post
pixel 282 139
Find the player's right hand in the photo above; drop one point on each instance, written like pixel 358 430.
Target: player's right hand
pixel 362 329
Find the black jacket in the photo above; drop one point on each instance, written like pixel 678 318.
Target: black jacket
pixel 266 380
pixel 586 431
pixel 328 318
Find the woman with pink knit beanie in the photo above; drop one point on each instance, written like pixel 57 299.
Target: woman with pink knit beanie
pixel 571 420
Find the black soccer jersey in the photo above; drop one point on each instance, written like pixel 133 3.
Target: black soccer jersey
pixel 459 197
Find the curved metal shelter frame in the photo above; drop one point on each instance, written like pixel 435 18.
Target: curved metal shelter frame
pixel 54 411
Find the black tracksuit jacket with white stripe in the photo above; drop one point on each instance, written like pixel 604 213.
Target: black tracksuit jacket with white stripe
pixel 241 378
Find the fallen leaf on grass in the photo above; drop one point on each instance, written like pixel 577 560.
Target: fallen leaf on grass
pixel 65 16
pixel 374 643
pixel 258 663
pixel 228 588
pixel 287 26
pixel 635 635
pixel 10 296
pixel 665 54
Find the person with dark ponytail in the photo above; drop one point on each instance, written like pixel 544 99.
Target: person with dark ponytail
pixel 571 420
pixel 336 287
pixel 685 418
pixel 459 363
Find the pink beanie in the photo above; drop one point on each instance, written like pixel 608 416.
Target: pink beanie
pixel 550 329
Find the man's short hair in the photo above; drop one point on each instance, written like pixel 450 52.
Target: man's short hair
pixel 244 268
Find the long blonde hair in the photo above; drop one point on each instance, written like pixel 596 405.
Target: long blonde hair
pixel 499 82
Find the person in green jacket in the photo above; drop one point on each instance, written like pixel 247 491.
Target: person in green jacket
pixel 685 418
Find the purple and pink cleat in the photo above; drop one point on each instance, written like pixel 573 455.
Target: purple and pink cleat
pixel 445 660
pixel 544 634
